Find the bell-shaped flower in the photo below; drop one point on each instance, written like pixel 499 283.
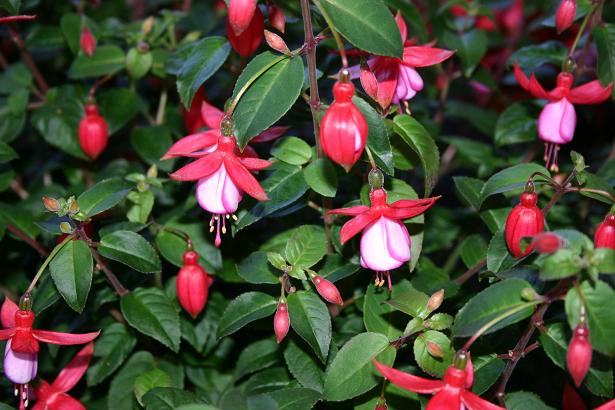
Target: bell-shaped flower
pixel 451 393
pixel 21 352
pixel 605 233
pixel 558 118
pixel 246 43
pixel 524 220
pixel 390 79
pixel 54 396
pixel 240 14
pixel 222 172
pixel 192 284
pixel 385 241
pixel 93 132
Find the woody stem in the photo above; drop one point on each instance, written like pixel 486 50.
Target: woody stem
pixel 52 255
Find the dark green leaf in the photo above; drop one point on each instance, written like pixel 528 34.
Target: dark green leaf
pixel 471 47
pixel 510 179
pixel 71 270
pixel 245 309
pixel 256 269
pixel 533 56
pixel 118 106
pixel 604 34
pixel 306 246
pixel 149 380
pixel 121 396
pixel 107 60
pixel 516 124
pixel 310 318
pixel 292 150
pixel 321 176
pixel 487 370
pixel 111 349
pixel 522 400
pixel 151 143
pixel 295 398
pixel 561 264
pixel 168 398
pixel 377 136
pixel 102 196
pixel 256 356
pixel 131 249
pixel 303 366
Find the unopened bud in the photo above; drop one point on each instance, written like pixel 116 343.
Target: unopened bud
pixel 143 47
pixel 281 321
pixel 435 350
pixel 152 172
pixel 25 302
pixel 51 204
pixel 435 300
pixel 73 206
pixel 276 42
pixel 579 354
pixel 382 404
pixel 147 25
pixel 142 186
pixel 66 227
pixel 547 242
pixel 327 290
pixel 375 178
pixel 460 360
pixel 529 294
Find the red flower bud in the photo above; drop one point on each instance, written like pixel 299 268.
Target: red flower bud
pixel 564 17
pixel 240 14
pixel 192 285
pixel 248 41
pixel 93 132
pixel 276 42
pixel 327 290
pixel 276 17
pixel 281 321
pixel 524 220
pixel 571 399
pixel 579 355
pixel 547 242
pixel 343 130
pixel 88 42
pixel 605 234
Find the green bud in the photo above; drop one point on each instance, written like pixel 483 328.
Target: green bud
pixel 529 294
pixel 375 178
pixel 66 227
pixel 460 360
pixel 152 172
pixel 25 302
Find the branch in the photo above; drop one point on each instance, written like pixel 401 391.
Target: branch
pixel 28 60
pixel 30 241
pixel 470 272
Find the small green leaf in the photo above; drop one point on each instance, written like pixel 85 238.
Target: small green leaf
pixel 111 348
pixel 412 302
pixel 321 176
pixel 535 55
pixel 149 380
pixel 169 398
pixel 604 260
pixel 71 270
pixel 256 269
pixel 107 60
pixel 131 249
pixel 121 392
pixel 310 318
pixel 152 313
pixel 563 263
pixel 498 256
pixel 245 309
pixel 377 136
pixel 102 196
pixel 604 34
pixel 522 400
pixel 292 150
pixel 303 366
pixel 138 63
pixel 306 246
pixel 256 356
pixel 436 366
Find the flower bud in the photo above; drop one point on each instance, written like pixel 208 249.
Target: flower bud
pixel 343 130
pixel 276 42
pixel 51 204
pixel 240 14
pixel 93 132
pixel 192 285
pixel 281 321
pixel 382 404
pixel 87 41
pixel 66 227
pixel 434 350
pixel 579 355
pixel 248 41
pixel 147 25
pixel 276 17
pixel 327 290
pixel 564 17
pixel 605 234
pixel 525 219
pixel 547 242
pixel 435 300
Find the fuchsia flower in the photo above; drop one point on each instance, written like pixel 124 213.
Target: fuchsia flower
pixel 524 220
pixel 87 42
pixel 281 321
pixel 251 36
pixel 451 393
pixel 385 241
pixel 605 234
pixel 579 354
pixel 390 79
pixel 192 284
pixel 558 119
pixel 564 17
pixel 53 396
pixel 222 171
pixel 20 355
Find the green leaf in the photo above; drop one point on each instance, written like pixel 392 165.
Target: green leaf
pixel 471 47
pixel 102 196
pixel 71 270
pixel 131 249
pixel 367 24
pixel 168 398
pixel 292 150
pixel 151 143
pixel 412 302
pixel 205 58
pixel 107 60
pixel 510 179
pixel 245 309
pixel 111 348
pixel 119 106
pixel 430 364
pixel 142 204
pixel 295 398
pixel 377 136
pixel 417 137
pixel 138 63
pixel 604 34
pixel 321 176
pixel 121 396
pixel 563 263
pixel 256 269
pixel 149 380
pixel 256 356
pixel 306 246
pixel 7 153
pixel 600 305
pixel 304 367
pixel 269 97
pixel 498 256
pixel 604 260
pixel 535 55
pixel 377 314
pixel 473 249
pixel 491 303
pixel 351 372
pixel 12 6
pixel 593 181
pixel 599 379
pixel 487 370
pixel 516 124
pixel 310 318
pixel 522 400
pixel 152 313
pixel 469 189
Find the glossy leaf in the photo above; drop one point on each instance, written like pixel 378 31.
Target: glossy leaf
pixel 309 317
pixel 245 309
pixel 71 270
pixel 130 249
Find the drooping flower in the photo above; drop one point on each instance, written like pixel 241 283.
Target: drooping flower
pixel 240 13
pixel 564 16
pixel 605 234
pixel 93 132
pixel 558 119
pixel 343 129
pixel 281 321
pixel 327 290
pixel 579 354
pixel 53 396
pixel 385 241
pixel 192 284
pixel 87 41
pixel 222 172
pixel 20 355
pixel 250 38
pixel 390 79
pixel 451 393
pixel 524 220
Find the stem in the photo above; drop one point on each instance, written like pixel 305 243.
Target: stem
pixel 336 35
pixel 28 60
pixel 178 232
pixel 560 191
pixel 496 320
pixel 370 156
pixel 470 272
pixel 97 84
pixel 30 241
pixel 162 106
pixel 53 253
pixel 582 28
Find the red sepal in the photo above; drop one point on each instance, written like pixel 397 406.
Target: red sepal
pixel 198 169
pixel 10 19
pixel 446 399
pixel 401 24
pixel 386 73
pixel 473 402
pixel 609 405
pixel 65 339
pixel 7 312
pixel 421 56
pixel 243 178
pixel 356 225
pixel 539 92
pixel 192 143
pixel 6 333
pixel 408 381
pixel 212 116
pixel 352 211
pixel 522 79
pixel 590 93
pixel 254 164
pixel 74 370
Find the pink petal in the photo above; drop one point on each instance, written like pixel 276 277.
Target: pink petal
pixel 408 381
pixel 375 246
pixel 398 240
pixel 19 368
pixel 74 370
pixel 409 83
pixel 557 122
pixel 217 193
